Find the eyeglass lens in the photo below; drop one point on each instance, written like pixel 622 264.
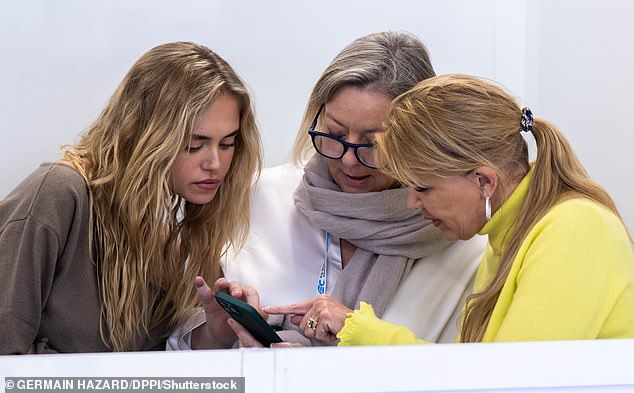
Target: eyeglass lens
pixel 334 149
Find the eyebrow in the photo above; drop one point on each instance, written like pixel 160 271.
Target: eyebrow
pixel 197 137
pixel 233 133
pixel 371 131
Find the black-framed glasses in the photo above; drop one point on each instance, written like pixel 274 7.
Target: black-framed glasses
pixel 334 148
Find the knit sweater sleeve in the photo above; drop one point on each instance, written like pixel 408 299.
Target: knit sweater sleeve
pixel 362 327
pixel 49 290
pixel 27 281
pixel 29 249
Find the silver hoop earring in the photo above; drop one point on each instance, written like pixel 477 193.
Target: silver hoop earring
pixel 487 208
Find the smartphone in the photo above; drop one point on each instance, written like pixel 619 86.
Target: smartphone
pixel 248 317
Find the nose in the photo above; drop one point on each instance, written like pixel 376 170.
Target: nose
pixel 211 160
pixel 349 159
pixel 413 199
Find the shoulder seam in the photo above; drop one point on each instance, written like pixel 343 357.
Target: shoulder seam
pixel 32 217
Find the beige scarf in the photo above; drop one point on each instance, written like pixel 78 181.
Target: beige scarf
pixel 389 236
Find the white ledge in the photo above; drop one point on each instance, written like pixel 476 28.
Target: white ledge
pixel 588 366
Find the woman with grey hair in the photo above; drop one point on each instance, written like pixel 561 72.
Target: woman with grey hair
pixel 332 224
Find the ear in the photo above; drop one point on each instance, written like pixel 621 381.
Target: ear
pixel 487 180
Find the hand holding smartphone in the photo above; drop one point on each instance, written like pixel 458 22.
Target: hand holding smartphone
pixel 248 317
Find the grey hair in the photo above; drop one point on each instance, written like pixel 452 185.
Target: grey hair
pixel 389 63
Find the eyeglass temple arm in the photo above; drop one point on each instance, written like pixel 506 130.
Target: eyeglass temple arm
pixel 314 123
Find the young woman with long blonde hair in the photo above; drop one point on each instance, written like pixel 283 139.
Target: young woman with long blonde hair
pixel 100 249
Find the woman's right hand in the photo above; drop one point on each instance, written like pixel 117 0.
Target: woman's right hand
pixel 321 317
pixel 216 333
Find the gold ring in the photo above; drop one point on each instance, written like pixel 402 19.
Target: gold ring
pixel 312 323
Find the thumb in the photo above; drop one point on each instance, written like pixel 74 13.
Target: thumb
pixel 205 293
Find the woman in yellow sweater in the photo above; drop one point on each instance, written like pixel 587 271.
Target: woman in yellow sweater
pixel 559 263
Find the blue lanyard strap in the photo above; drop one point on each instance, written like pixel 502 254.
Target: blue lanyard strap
pixel 322 282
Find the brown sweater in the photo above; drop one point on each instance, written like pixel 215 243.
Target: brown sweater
pixel 49 282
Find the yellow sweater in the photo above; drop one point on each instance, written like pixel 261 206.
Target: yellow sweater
pixel 572 279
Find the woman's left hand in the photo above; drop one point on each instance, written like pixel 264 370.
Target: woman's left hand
pixel 321 317
pixel 216 333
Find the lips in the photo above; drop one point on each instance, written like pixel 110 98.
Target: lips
pixel 208 184
pixel 357 177
pixel 355 180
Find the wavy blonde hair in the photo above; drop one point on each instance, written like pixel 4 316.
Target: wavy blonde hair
pixel 452 124
pixel 386 62
pixel 149 243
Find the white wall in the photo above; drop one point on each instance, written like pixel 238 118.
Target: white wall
pixel 586 86
pixel 62 59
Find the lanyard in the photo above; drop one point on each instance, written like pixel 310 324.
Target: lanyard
pixel 322 281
